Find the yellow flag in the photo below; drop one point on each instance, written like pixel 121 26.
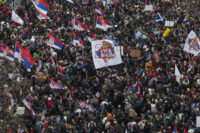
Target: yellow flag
pixel 166 33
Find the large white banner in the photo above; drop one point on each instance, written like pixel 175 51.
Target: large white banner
pixel 192 44
pixel 104 54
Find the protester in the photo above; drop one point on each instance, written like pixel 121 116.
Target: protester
pixel 61 89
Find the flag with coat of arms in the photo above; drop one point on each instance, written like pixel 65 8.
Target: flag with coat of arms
pixel 103 24
pixel 192 44
pixel 54 42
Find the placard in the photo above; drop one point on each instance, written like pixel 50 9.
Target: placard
pixel 135 53
pixel 169 23
pixel 148 8
pixel 198 121
pixel 20 110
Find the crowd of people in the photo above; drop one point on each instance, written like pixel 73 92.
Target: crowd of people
pixel 102 100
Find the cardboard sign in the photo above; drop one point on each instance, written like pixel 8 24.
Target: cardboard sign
pixel 148 8
pixel 135 53
pixel 20 110
pixel 169 23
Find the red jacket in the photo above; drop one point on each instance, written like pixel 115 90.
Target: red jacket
pixel 49 104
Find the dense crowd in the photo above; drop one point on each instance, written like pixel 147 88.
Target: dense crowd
pixel 102 100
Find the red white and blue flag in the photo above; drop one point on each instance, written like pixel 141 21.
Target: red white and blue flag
pixel 54 85
pixel 92 37
pixel 78 41
pixel 27 103
pixel 5 51
pixel 17 51
pixel 41 5
pixel 28 59
pixel 99 10
pixel 41 16
pixel 80 26
pixel 54 42
pixel 23 53
pixel 103 24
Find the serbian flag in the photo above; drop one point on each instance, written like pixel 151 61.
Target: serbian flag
pixel 99 10
pixel 27 57
pixel 102 24
pixel 114 2
pixel 156 56
pixel 54 42
pixel 17 51
pixel 2 52
pixel 41 16
pixel 54 85
pixel 23 53
pixel 77 41
pixel 27 103
pixel 80 26
pixel 5 51
pixel 41 5
pixel 92 37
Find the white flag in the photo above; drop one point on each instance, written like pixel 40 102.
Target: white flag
pixel 178 74
pixel 192 44
pixel 16 18
pixel 70 1
pixel 104 54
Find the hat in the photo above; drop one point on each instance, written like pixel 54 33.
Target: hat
pixel 49 98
